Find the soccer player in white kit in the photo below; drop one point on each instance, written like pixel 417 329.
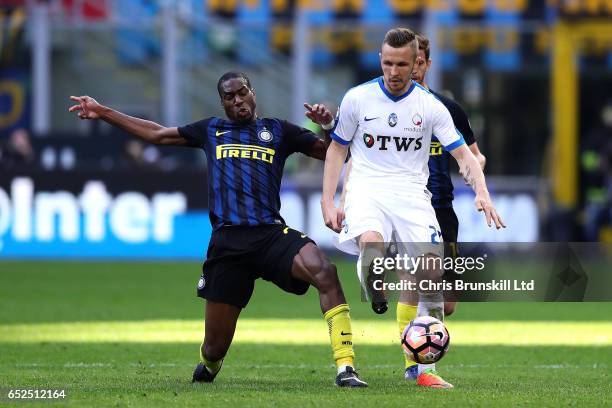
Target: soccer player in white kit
pixel 388 124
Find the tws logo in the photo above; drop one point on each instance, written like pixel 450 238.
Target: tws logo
pixel 400 143
pixel 93 216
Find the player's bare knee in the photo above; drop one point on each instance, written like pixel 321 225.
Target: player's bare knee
pixel 370 237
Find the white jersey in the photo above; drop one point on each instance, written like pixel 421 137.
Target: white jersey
pixel 390 136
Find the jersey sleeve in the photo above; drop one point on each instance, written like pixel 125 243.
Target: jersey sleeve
pixel 347 120
pixel 298 139
pixel 444 128
pixel 195 133
pixel 462 123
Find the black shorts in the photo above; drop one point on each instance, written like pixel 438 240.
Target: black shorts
pixel 238 255
pixel 449 224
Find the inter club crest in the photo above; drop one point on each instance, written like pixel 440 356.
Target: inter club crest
pixel 417 120
pixel 392 119
pixel 368 140
pixel 265 135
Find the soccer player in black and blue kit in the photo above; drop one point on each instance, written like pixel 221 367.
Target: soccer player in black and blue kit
pixel 246 155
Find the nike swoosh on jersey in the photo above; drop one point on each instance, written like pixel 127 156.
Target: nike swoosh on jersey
pixel 219 133
pixel 344 334
pixel 369 119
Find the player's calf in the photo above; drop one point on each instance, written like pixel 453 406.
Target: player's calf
pixel 312 266
pixel 371 249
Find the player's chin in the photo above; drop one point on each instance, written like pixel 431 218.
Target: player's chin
pixel 397 85
pixel 243 116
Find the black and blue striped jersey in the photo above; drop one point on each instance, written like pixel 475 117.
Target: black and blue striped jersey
pixel 245 166
pixel 440 183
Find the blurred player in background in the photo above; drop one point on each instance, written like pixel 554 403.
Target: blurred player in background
pixel 246 155
pixel 388 123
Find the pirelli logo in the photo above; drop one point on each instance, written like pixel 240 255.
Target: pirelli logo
pixel 436 149
pixel 245 152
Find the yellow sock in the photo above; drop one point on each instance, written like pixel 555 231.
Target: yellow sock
pixel 212 366
pixel 405 314
pixel 340 334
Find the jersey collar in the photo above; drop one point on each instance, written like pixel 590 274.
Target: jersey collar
pixel 393 97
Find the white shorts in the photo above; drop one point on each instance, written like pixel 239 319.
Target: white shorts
pixel 398 217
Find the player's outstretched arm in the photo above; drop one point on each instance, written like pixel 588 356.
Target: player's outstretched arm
pixel 473 175
pixel 88 108
pixel 336 155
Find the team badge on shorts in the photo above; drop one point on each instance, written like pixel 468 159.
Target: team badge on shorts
pixel 265 135
pixel 201 282
pixel 392 119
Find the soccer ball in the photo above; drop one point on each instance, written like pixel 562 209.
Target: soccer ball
pixel 425 340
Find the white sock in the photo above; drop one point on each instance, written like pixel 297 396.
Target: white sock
pixel 342 368
pixel 431 304
pixel 423 367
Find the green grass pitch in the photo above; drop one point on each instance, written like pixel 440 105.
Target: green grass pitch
pixel 127 334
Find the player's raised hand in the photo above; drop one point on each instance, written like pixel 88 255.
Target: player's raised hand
pixel 485 205
pixel 332 216
pixel 87 107
pixel 318 113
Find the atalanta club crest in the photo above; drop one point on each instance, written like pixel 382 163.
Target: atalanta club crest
pixel 265 135
pixel 417 120
pixel 368 140
pixel 392 119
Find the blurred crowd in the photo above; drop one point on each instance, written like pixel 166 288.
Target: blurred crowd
pixel 17 150
pixel 115 152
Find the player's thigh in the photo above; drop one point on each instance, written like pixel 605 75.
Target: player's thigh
pixel 313 266
pixel 418 235
pixel 365 217
pixel 228 273
pixel 277 258
pixel 416 222
pixel 227 281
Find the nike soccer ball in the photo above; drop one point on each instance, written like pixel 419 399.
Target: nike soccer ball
pixel 425 340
